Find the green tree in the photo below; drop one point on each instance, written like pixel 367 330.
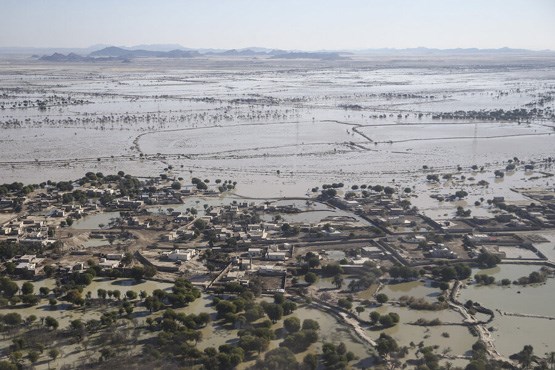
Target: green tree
pixel 310 361
pixel 382 298
pixel 53 354
pixel 386 321
pixel 137 272
pixel 309 324
pixel 51 322
pixel 386 345
pixel 274 311
pixel 131 294
pixel 33 356
pixel 27 288
pixel 488 260
pixel 310 278
pixel 5 365
pixel 292 324
pixel 375 317
pixel 278 359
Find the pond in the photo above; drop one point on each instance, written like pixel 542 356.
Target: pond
pixel 93 221
pixel 419 289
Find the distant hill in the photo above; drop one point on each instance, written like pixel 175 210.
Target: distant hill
pixel 307 55
pixel 117 52
pixel 72 57
pixel 176 51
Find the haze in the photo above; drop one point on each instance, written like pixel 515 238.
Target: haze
pixel 286 24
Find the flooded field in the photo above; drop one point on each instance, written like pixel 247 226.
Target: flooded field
pixel 534 299
pixel 64 315
pixel 357 121
pixel 282 129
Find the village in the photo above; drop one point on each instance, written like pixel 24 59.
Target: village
pixel 233 242
pixel 339 248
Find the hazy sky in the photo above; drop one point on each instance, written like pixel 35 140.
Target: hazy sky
pixel 286 24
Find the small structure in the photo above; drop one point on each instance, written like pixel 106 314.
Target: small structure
pixel 114 256
pixel 255 252
pixel 180 255
pixel 276 256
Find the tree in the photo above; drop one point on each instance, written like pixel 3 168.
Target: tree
pixel 251 343
pixel 225 307
pixel 313 262
pixel 277 359
pixel 131 294
pixel 345 303
pixel 33 356
pixel 386 321
pixel 310 361
pixel 12 319
pixel 386 345
pixel 44 291
pixel 309 324
pixel 137 272
pixel 292 324
pixel 127 259
pixel 359 309
pixel 8 287
pixel 27 288
pixel 200 224
pixel 524 357
pixel 150 271
pixel 337 281
pixel 53 354
pixel 332 269
pixel 176 185
pixel 488 260
pixel 5 365
pixel 274 312
pixel 51 322
pixel 382 298
pixel 375 316
pixel 310 278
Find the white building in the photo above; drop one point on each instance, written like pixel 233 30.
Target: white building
pixel 180 255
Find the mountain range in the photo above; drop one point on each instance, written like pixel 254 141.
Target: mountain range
pixel 107 53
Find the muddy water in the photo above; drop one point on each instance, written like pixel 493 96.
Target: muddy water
pixel 94 221
pixel 413 288
pixel 548 249
pixel 334 332
pixel 511 332
pixel 306 134
pixel 459 341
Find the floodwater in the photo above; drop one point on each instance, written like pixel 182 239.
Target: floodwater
pixel 94 221
pixel 534 299
pixel 458 342
pixel 65 315
pixel 547 248
pixel 243 121
pixel 280 128
pixel 413 288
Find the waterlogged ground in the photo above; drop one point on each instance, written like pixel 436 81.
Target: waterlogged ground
pixel 511 333
pixel 352 121
pixel 279 128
